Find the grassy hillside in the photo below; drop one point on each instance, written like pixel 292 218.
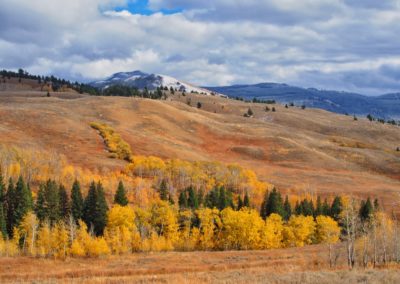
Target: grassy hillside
pixel 304 151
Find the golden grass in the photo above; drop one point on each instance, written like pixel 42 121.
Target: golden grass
pixel 297 265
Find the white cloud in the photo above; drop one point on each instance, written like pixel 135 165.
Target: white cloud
pixel 215 42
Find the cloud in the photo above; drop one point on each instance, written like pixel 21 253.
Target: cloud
pixel 340 44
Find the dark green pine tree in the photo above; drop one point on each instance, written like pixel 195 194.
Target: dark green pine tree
pixel 76 201
pixel 101 209
pixel 89 206
pixel 275 204
pixel 200 197
pixel 3 224
pixel 240 203
pixel 287 208
pixel 163 190
pixel 120 195
pixel 41 206
pixel 336 208
pixel 182 200
pixel 52 198
pixel 264 204
pixel 65 204
pixel 192 199
pixel 318 208
pixel 223 201
pixel 10 210
pixel 23 201
pixel 298 208
pixel 366 210
pixel 212 198
pixel 325 208
pixel 308 207
pixel 246 200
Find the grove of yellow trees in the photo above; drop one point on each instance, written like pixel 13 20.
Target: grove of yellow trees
pixel 162 227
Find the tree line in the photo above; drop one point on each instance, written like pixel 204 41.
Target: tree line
pixel 56 83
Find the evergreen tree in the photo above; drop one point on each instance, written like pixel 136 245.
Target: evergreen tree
pixel 192 199
pixel 3 224
pixel 10 210
pixel 182 201
pixel 65 205
pixel 275 204
pixel 287 208
pixel 95 209
pixel 163 190
pixel 89 206
pixel 23 201
pixel 53 202
pixel 264 204
pixel 223 201
pixel 318 209
pixel 47 205
pixel 246 200
pixel 366 210
pixel 102 209
pixel 212 198
pixel 336 208
pixel 325 208
pixel 76 201
pixel 120 195
pixel 200 197
pixel 240 203
pixel 298 209
pixel 308 207
pixel 40 206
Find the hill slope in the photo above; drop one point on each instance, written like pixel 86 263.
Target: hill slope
pixel 307 151
pixel 386 106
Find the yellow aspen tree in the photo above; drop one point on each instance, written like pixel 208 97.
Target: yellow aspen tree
pixel 44 241
pixel 120 229
pixel 327 232
pixel 29 231
pixel 241 229
pixel 299 231
pixel 272 234
pixel 210 222
pixel 60 240
pixel 165 223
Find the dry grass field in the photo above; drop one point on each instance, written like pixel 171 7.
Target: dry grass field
pixel 310 151
pixel 305 265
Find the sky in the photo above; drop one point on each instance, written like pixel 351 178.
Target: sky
pixel 349 45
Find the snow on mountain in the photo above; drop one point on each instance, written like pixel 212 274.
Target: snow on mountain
pixel 142 80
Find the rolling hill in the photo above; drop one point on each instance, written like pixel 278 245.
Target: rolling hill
pixel 385 106
pixel 298 150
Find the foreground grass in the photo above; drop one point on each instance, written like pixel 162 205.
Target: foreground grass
pixel 305 265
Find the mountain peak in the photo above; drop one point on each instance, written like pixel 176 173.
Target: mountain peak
pixel 142 80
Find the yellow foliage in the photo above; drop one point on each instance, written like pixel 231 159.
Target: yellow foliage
pixel 241 229
pixel 327 230
pixel 299 231
pixel 209 223
pixel 115 144
pixel 120 229
pixel 164 221
pixel 272 235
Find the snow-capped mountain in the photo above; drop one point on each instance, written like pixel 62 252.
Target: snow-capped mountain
pixel 143 80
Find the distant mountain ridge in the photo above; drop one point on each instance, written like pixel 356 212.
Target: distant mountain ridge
pixel 141 80
pixel 386 106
